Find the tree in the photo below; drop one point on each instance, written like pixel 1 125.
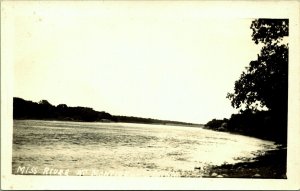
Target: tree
pixel 62 106
pixel 269 31
pixel 265 81
pixel 44 102
pixel 264 84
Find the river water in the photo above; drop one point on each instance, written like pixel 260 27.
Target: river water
pixel 125 149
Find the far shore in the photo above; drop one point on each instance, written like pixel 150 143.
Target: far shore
pixel 109 121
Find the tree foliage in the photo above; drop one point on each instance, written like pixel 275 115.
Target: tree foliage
pixel 265 81
pixel 269 30
pixel 23 109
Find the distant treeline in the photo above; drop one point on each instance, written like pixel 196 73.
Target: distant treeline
pixel 260 124
pixel 43 110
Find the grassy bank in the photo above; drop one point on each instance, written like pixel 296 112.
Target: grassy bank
pixel 271 165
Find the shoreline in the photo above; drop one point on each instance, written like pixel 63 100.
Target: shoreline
pixel 271 165
pixel 248 135
pixel 104 121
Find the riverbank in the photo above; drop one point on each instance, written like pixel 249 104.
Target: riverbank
pixel 271 165
pixel 265 125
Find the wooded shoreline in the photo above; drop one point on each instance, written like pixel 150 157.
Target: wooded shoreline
pixel 23 109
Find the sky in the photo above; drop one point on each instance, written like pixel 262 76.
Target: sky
pixel 160 61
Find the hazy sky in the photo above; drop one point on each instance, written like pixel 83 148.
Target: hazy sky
pixel 158 61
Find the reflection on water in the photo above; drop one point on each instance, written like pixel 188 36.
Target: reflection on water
pixel 124 149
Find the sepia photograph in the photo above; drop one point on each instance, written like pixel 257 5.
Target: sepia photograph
pixel 151 90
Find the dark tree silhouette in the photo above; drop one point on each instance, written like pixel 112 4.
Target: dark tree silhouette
pixel 264 84
pixel 265 81
pixel 23 109
pixel 269 31
pixel 44 102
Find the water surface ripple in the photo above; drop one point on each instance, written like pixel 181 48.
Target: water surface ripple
pixel 125 149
